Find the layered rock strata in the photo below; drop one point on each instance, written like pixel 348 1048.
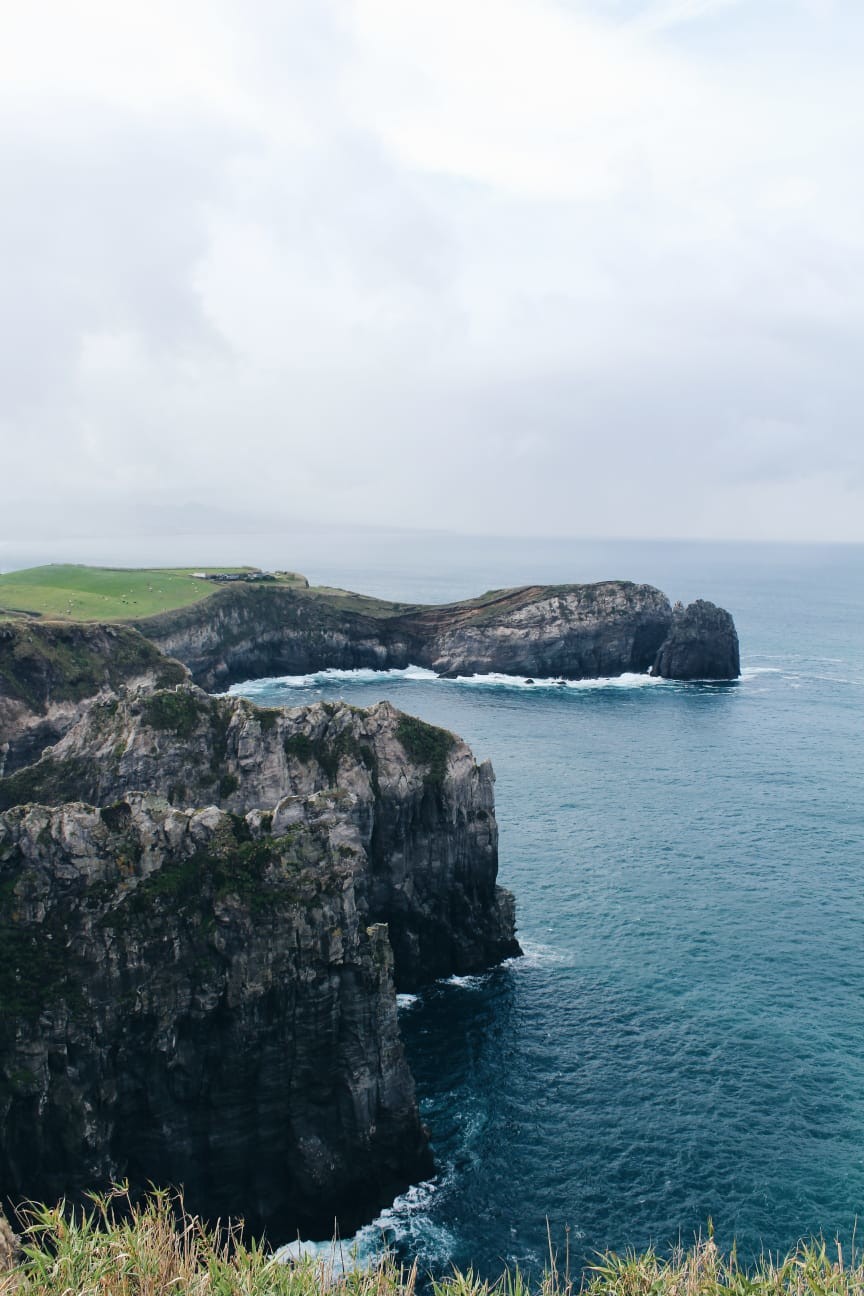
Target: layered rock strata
pixel 423 810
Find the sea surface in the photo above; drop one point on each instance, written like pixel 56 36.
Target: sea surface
pixel 683 1041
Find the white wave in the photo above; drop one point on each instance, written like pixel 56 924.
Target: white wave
pixel 492 679
pixel 333 1259
pixel 628 680
pixel 404 1001
pixel 466 982
pixel 498 680
pixel 406 1222
pixel 362 675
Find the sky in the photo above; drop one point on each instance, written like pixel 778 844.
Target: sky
pixel 522 267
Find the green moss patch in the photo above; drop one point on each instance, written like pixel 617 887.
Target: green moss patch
pixel 179 713
pixel 51 782
pixel 427 745
pixel 328 752
pixel 67 663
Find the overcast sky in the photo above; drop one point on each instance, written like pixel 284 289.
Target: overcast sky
pixel 576 267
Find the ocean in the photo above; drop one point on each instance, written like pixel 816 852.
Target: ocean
pixel 683 1041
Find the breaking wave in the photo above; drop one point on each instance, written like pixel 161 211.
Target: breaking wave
pixel 268 685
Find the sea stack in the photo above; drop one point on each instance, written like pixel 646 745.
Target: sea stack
pixel 702 644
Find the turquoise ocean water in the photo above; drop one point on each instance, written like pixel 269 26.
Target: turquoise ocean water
pixel 684 1037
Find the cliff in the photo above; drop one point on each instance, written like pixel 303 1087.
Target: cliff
pixel 422 809
pixel 574 631
pixel 51 671
pixel 207 996
pixel 206 906
pixel 192 998
pixel 252 627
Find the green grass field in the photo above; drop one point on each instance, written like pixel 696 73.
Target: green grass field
pixel 80 593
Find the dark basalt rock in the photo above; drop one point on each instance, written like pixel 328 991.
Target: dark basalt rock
pixel 207 996
pixel 424 810
pixel 189 998
pixel 702 644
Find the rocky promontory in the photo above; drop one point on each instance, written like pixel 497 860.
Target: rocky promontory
pixel 206 907
pixel 205 910
pixel 571 631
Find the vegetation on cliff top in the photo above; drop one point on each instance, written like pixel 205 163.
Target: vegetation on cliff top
pixel 40 662
pixel 427 745
pixel 80 593
pixel 155 1248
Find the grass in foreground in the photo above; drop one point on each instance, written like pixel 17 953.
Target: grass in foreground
pixel 82 593
pixel 157 1249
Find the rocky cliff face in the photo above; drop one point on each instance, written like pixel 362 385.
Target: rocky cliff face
pixel 195 997
pixel 244 632
pixel 51 671
pixel 702 644
pixel 423 810
pixel 207 996
pixel 574 631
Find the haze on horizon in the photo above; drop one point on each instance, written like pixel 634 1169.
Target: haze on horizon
pixel 537 267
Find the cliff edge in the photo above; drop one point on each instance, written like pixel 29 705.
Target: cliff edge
pixel 205 910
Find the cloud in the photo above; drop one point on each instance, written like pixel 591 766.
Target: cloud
pixel 433 264
pixel 671 13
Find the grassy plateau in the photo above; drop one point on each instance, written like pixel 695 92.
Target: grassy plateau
pixel 77 593
pixel 155 1248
